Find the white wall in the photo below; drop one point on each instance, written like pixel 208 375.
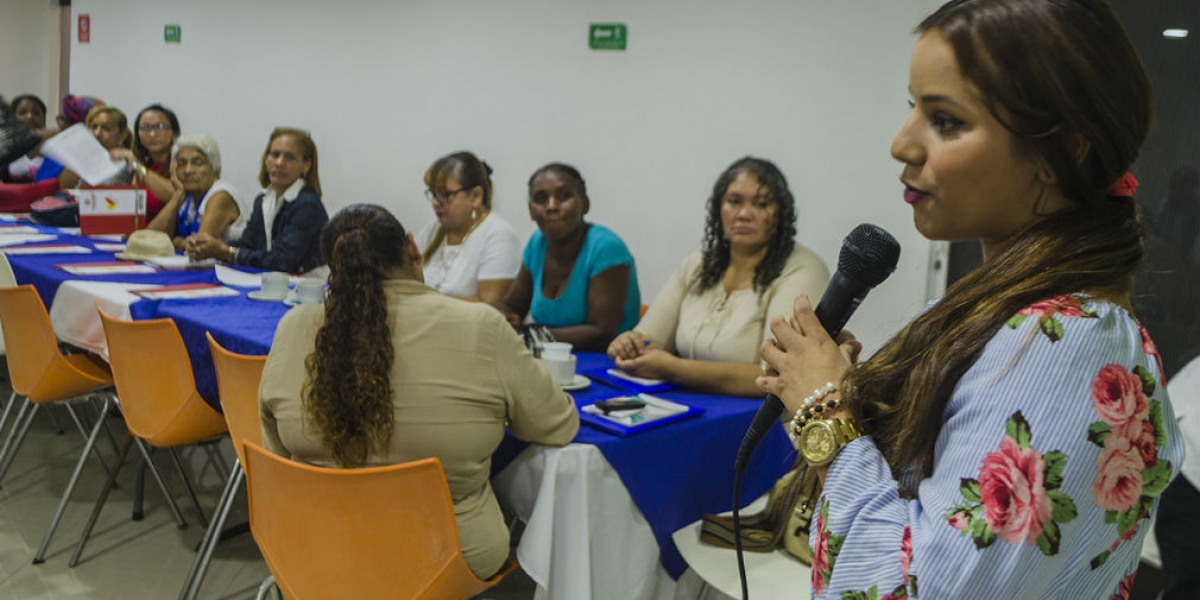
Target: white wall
pixel 385 87
pixel 29 50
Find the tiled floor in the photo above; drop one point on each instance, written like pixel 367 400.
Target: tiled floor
pixel 123 559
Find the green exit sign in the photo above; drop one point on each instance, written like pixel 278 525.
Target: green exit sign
pixel 172 34
pixel 607 36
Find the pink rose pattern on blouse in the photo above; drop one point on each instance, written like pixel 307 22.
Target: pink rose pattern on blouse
pixel 1067 306
pixel 902 592
pixel 1016 496
pixel 1150 348
pixel 825 549
pixel 1129 474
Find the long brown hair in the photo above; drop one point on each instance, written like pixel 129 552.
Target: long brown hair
pixel 470 172
pixel 348 393
pixel 779 248
pixel 1082 109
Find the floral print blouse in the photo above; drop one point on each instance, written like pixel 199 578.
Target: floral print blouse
pixel 1055 447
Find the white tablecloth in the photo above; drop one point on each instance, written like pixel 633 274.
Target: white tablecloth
pixel 586 540
pixel 74 315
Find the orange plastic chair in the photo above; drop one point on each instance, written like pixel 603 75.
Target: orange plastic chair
pixel 376 532
pixel 42 374
pixel 237 382
pixel 158 396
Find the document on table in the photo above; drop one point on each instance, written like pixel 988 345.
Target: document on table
pixel 186 290
pixel 107 268
pixel 178 263
pixel 77 149
pixel 15 229
pixel 53 249
pixel 238 278
pixel 16 239
pixel 656 408
pixel 103 247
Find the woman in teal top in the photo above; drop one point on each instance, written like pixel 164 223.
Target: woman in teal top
pixel 577 278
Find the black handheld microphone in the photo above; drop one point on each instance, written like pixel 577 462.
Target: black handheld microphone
pixel 869 255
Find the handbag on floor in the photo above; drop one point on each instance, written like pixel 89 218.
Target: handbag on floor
pixel 785 520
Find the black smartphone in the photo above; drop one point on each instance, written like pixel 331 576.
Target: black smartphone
pixel 620 404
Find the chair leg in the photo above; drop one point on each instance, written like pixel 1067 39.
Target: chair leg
pixel 139 491
pixel 91 522
pixel 103 414
pixel 40 557
pixel 265 587
pixel 162 484
pixel 12 401
pixel 58 430
pixel 187 485
pixel 195 577
pixel 84 432
pixel 20 429
pixel 15 426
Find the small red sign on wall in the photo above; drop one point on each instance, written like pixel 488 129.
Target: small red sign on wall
pixel 85 29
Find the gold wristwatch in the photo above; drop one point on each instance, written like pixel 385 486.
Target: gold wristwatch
pixel 821 440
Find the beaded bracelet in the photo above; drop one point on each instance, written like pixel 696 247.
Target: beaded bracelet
pixel 814 405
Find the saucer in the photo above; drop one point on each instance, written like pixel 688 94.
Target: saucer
pixel 258 295
pixel 579 383
pixel 291 301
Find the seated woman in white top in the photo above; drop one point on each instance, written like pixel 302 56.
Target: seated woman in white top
pixel 469 252
pixel 203 203
pixel 704 329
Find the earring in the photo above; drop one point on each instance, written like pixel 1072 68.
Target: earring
pixel 474 214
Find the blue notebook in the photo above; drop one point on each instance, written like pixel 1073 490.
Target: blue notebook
pixel 656 413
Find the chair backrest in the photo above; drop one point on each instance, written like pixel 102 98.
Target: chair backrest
pixel 238 376
pixel 7 279
pixel 35 366
pixel 155 383
pixel 376 532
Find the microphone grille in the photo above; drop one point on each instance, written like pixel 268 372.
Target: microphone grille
pixel 869 255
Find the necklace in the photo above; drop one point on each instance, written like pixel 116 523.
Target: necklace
pixel 445 260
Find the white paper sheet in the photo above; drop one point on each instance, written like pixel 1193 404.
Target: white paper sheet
pixel 53 249
pixel 78 150
pixel 18 229
pixel 238 278
pixel 16 239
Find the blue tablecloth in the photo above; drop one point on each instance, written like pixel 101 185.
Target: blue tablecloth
pixel 40 269
pixel 681 470
pixel 673 473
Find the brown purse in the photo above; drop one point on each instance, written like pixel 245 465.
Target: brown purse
pixel 785 520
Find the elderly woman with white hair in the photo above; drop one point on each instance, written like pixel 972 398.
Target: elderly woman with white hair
pixel 204 204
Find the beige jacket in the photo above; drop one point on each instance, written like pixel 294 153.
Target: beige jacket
pixel 460 375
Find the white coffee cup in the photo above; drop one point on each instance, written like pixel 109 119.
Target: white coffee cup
pixel 562 369
pixel 274 285
pixel 556 350
pixel 310 291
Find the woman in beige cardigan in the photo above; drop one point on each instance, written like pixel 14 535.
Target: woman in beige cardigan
pixel 388 370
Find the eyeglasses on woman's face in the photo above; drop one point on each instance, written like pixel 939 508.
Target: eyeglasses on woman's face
pixel 154 127
pixel 442 196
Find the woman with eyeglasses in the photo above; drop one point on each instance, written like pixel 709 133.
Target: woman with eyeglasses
pixel 469 252
pixel 285 224
pixel 704 329
pixel 577 278
pixel 155 131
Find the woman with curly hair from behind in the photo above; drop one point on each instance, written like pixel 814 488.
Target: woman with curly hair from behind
pixel 705 327
pixel 388 370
